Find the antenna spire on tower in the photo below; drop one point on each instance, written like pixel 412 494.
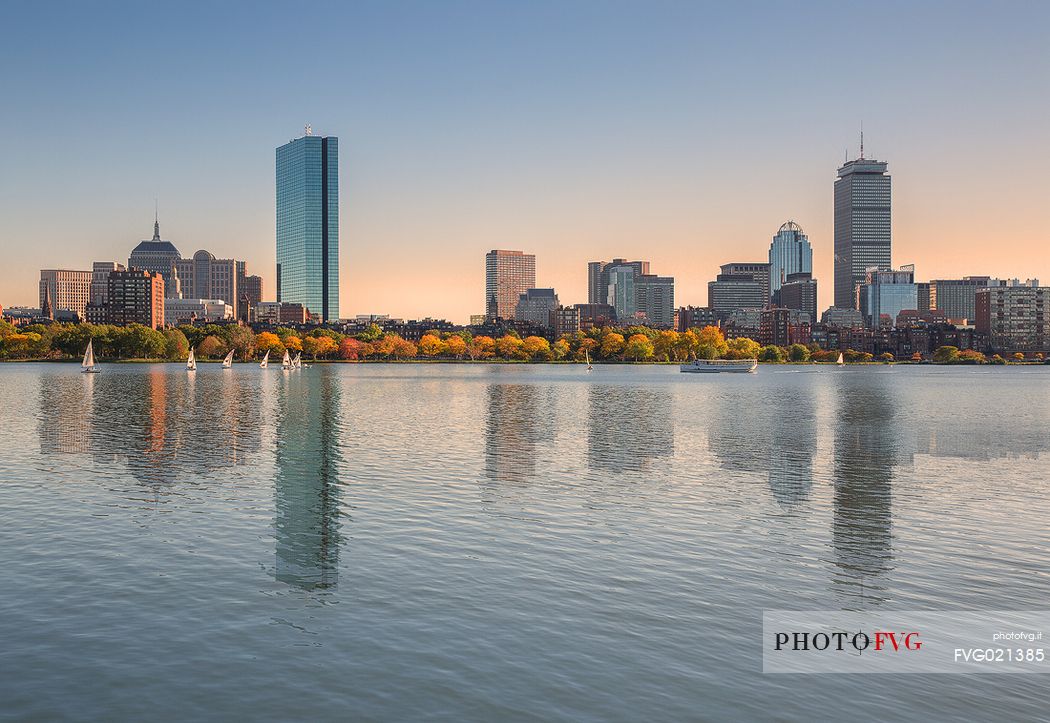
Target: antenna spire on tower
pixel 862 140
pixel 156 220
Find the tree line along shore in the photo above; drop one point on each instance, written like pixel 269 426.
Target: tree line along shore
pixel 636 344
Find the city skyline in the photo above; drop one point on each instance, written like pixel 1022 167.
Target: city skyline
pixel 668 174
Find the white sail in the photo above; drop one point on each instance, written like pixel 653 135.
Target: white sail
pixel 228 361
pixel 286 362
pixel 89 356
pixel 298 363
pixel 841 360
pixel 191 362
pixel 266 360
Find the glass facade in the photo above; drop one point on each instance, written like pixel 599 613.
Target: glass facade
pixel 308 224
pixel 789 253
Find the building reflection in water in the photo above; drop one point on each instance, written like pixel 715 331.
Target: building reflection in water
pixel 518 418
pixel 307 488
pixel 792 444
pixel 867 447
pixel 161 424
pixel 628 426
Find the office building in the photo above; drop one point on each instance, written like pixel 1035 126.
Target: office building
pixel 956 298
pixel 885 293
pixel 188 311
pixel 598 277
pixel 206 277
pixel 739 286
pixel 654 299
pixel 249 292
pixel 799 291
pixel 621 292
pixel 862 225
pixel 535 306
pixel 157 256
pixel 308 224
pixel 100 271
pixel 564 320
pixel 1014 318
pixel 789 253
pixel 508 274
pixel 64 290
pixel 839 318
pixel 136 296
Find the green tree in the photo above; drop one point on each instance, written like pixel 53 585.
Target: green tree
pixel 242 341
pixel 799 353
pixel 176 345
pixel 771 353
pixel 372 334
pixel 638 348
pixel 946 354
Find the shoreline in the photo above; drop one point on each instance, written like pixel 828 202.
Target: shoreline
pixel 517 362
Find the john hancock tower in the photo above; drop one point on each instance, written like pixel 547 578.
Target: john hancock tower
pixel 308 224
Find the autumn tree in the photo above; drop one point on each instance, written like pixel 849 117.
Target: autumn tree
pixel 664 344
pixel 712 344
pixel 740 348
pixel 638 348
pixel 353 349
pixel 481 347
pixel 1018 356
pixel 319 346
pixel 612 344
pixel 241 340
pixel 536 348
pixel 430 345
pixel 511 347
pixel 946 354
pixel 456 345
pixel 210 346
pixel 403 348
pixel 587 347
pixel 560 349
pixel 267 341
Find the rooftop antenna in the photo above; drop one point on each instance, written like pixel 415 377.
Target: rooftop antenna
pixel 862 140
pixel 156 219
pixel 309 129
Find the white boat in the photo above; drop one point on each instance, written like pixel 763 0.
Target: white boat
pixel 711 366
pixel 297 363
pixel 228 361
pixel 88 366
pixel 286 362
pixel 587 353
pixel 840 361
pixel 191 362
pixel 266 360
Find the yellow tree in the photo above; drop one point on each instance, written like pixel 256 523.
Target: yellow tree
pixel 561 349
pixel 510 347
pixel 711 343
pixel 536 347
pixel 431 345
pixel 588 346
pixel 292 342
pixel 456 346
pixel 481 347
pixel 638 348
pixel 319 346
pixel 664 344
pixel 741 348
pixel 612 344
pixel 268 342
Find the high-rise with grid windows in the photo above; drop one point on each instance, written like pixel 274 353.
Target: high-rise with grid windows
pixel 508 274
pixel 862 226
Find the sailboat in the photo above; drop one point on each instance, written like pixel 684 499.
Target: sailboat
pixel 298 362
pixel 587 353
pixel 191 362
pixel 841 360
pixel 266 360
pixel 286 362
pixel 228 361
pixel 88 365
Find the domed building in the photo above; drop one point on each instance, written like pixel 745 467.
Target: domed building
pixel 158 256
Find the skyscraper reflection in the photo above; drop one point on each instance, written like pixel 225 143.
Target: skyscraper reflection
pixel 629 426
pixel 307 486
pixel 867 447
pixel 517 418
pixel 792 443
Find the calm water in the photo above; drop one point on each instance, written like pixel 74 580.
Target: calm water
pixel 395 542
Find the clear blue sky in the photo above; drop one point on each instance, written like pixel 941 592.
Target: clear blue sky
pixel 683 132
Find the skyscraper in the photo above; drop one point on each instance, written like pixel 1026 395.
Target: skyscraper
pixel 862 225
pixel 789 253
pixel 159 257
pixel 308 223
pixel 206 277
pixel 64 290
pixel 598 277
pixel 508 275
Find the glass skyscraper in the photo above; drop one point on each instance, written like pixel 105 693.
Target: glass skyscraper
pixel 862 226
pixel 308 224
pixel 789 253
